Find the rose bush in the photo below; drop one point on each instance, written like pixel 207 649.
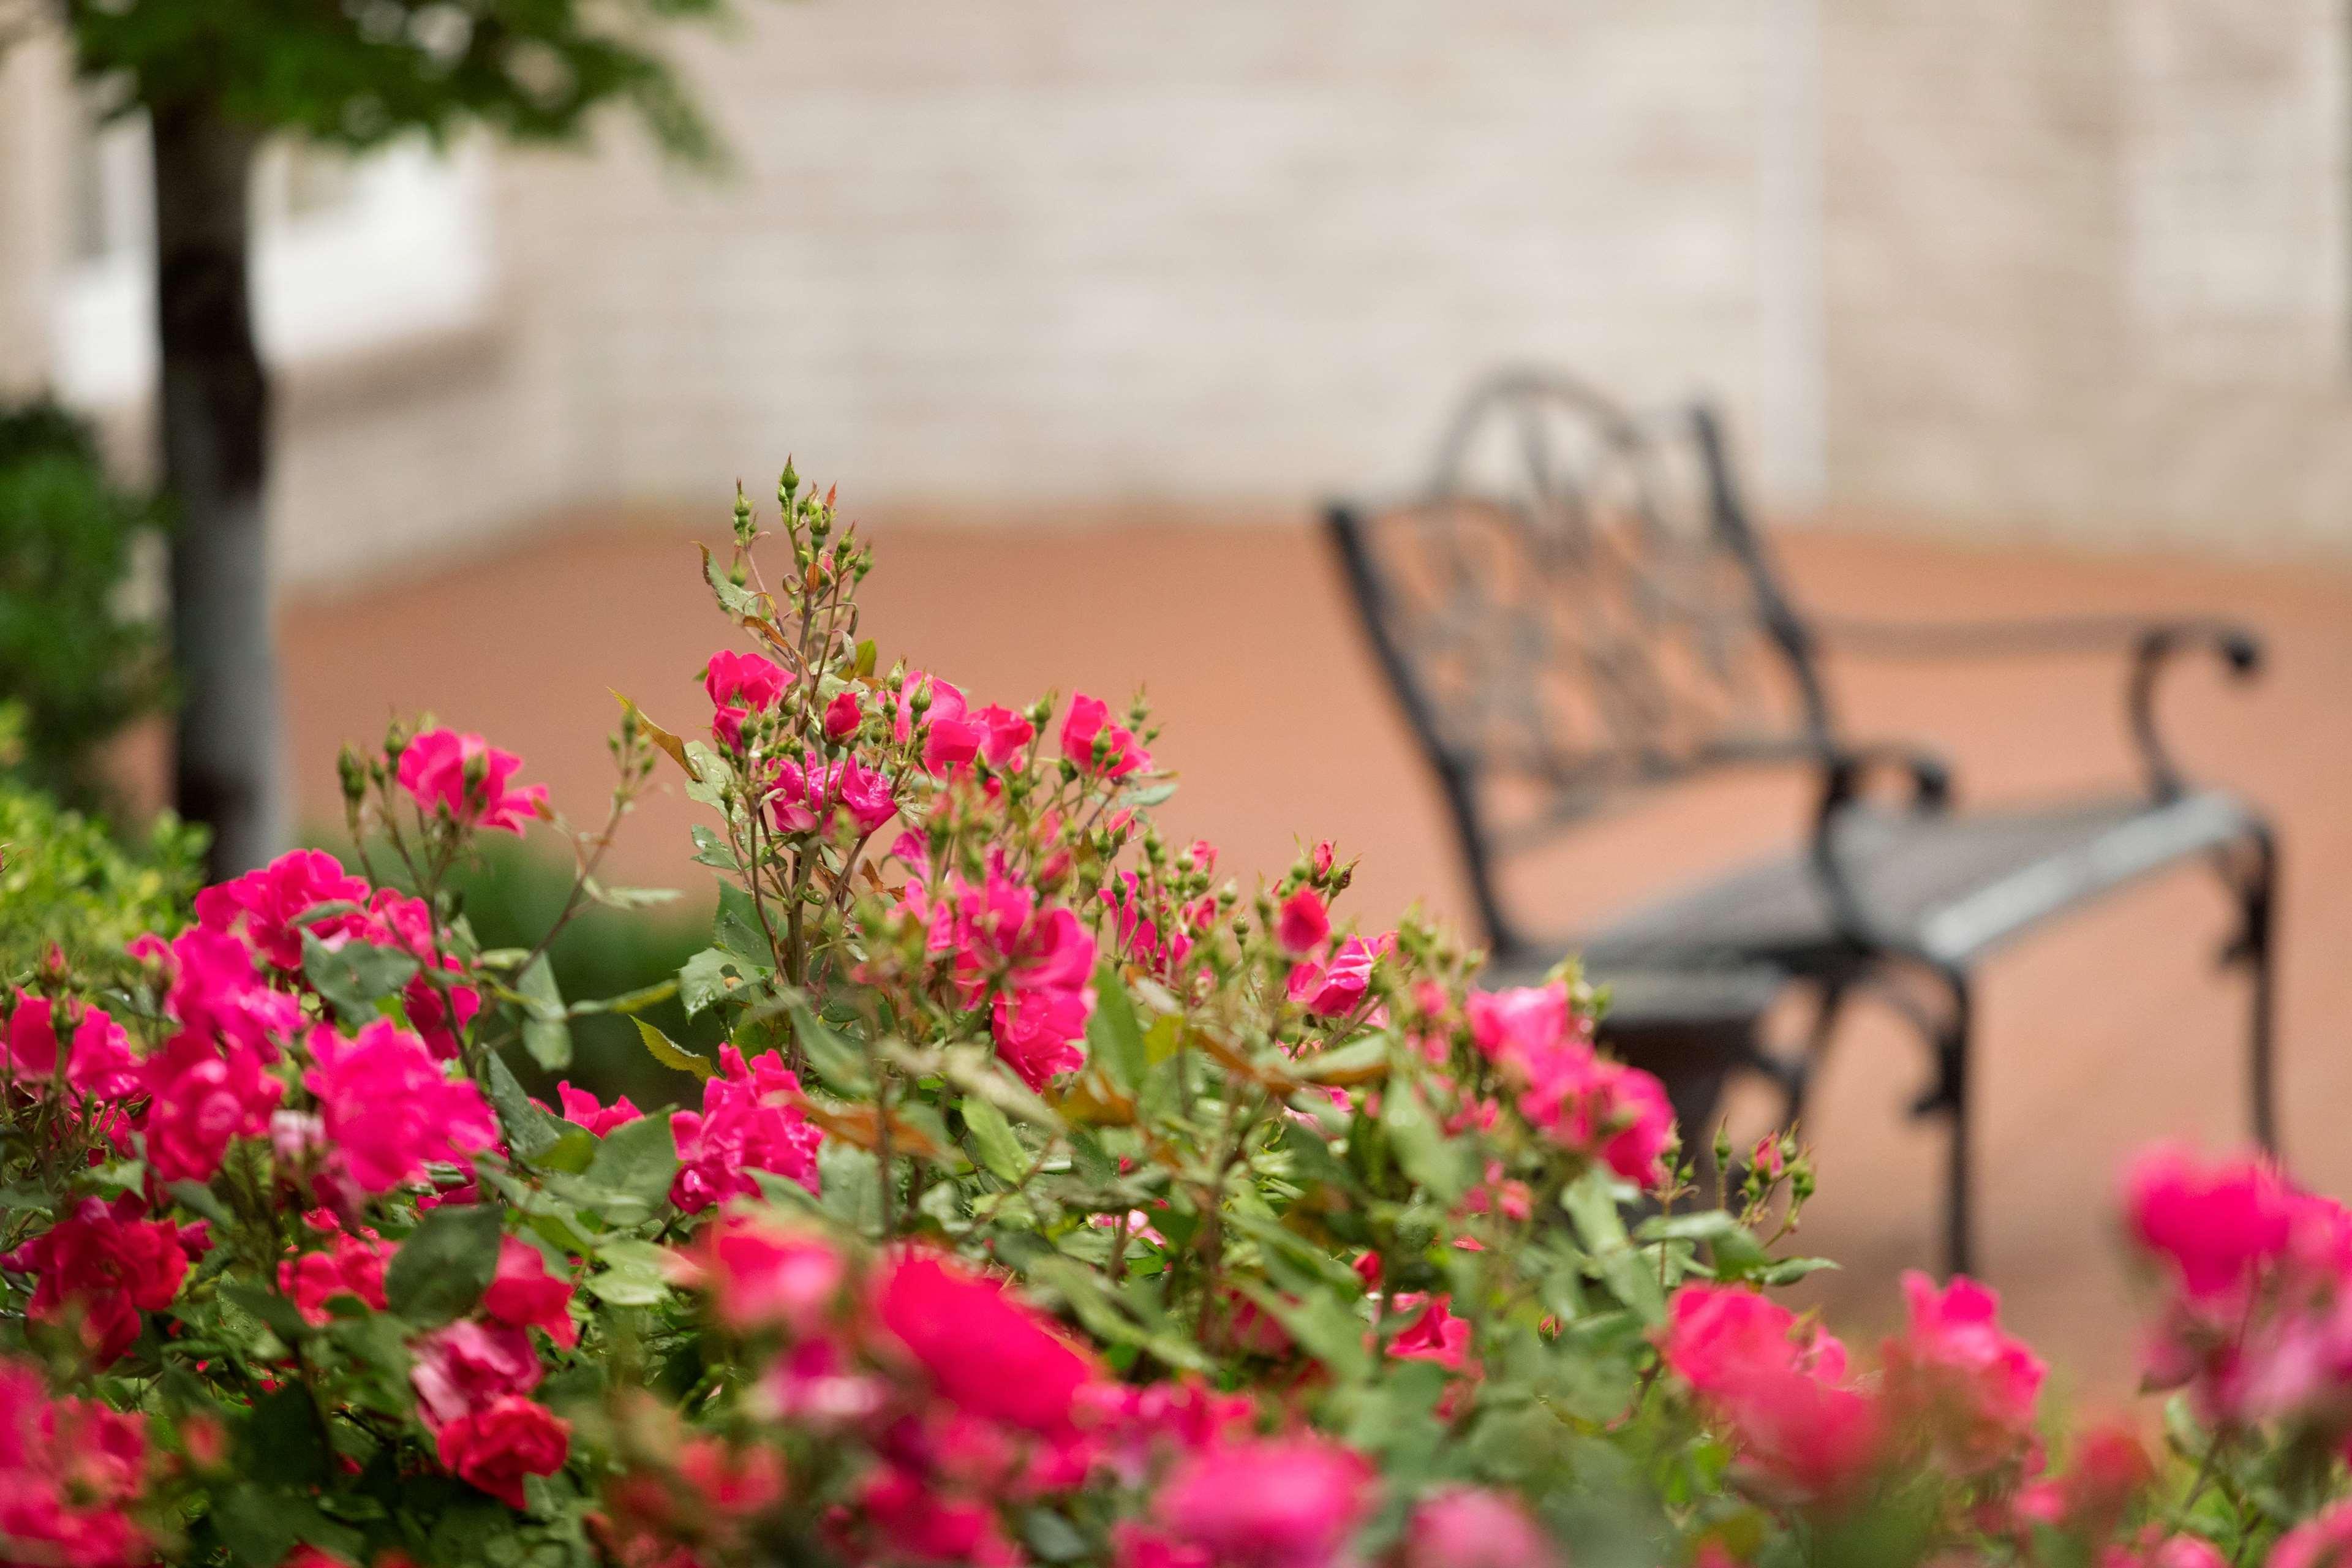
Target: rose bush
pixel 1052 1200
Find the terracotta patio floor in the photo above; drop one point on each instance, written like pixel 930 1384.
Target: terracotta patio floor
pixel 2110 1030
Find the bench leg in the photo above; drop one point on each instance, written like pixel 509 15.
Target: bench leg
pixel 1952 1053
pixel 2258 894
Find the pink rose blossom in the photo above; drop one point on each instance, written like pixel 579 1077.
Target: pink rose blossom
pixel 1472 1527
pixel 1271 1503
pixel 390 1107
pixel 2215 1224
pixel 985 1352
pixel 2154 1549
pixel 1039 961
pixel 843 716
pixel 1958 1375
pixel 1302 922
pixel 740 685
pixel 1611 1112
pixel 351 1265
pixel 803 799
pixel 2322 1540
pixel 1096 744
pixel 495 1446
pixel 265 906
pixel 523 1294
pixel 98 1063
pixel 102 1266
pixel 200 1102
pixel 750 1120
pixel 1005 735
pixel 1780 1390
pixel 464 1366
pixel 765 1274
pixel 1330 990
pixel 466 777
pixel 71 1471
pixel 583 1109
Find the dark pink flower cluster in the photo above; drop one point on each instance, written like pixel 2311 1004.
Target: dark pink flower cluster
pixel 474 1379
pixel 95 1057
pixel 1032 964
pixel 465 779
pixel 102 1266
pixel 2258 1323
pixel 750 1120
pixel 1098 746
pixel 1957 1389
pixel 806 796
pixel 388 1109
pixel 740 685
pixel 1585 1101
pixel 72 1473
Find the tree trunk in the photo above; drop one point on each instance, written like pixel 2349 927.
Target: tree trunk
pixel 213 408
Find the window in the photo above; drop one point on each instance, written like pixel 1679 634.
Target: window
pixel 350 255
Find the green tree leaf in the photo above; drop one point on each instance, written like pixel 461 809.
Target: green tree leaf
pixel 446 1264
pixel 670 1054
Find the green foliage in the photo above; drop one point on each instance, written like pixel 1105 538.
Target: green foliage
pixel 75 666
pixel 512 893
pixel 356 75
pixel 66 879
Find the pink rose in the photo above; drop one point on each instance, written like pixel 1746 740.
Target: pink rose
pixel 351 1265
pixel 1779 1388
pixel 1270 1502
pixel 762 1273
pixel 1956 1374
pixel 98 1063
pixel 1003 734
pixel 465 778
pixel 2216 1223
pixel 843 716
pixel 1096 744
pixel 1473 1527
pixel 1330 990
pixel 524 1295
pixel 750 1120
pixel 583 1109
pixel 71 1471
pixel 740 685
pixel 985 1350
pixel 200 1102
pixel 265 906
pixel 465 1366
pixel 390 1107
pixel 103 1266
pixel 496 1446
pixel 1302 922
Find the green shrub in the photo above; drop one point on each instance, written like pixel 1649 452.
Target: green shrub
pixel 66 879
pixel 79 668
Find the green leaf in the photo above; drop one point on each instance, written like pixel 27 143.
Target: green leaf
pixel 711 976
pixel 1149 794
pixel 531 1128
pixel 1439 1163
pixel 545 1033
pixel 833 1059
pixel 199 1199
pixel 268 1306
pixel 252 1523
pixel 630 1176
pixel 635 1274
pixel 709 850
pixel 630 1002
pixel 669 1053
pixel 355 976
pixel 446 1264
pixel 734 598
pixel 737 929
pixel 1115 1034
pixel 993 1143
pixel 631 898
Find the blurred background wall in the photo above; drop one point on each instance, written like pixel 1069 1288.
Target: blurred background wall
pixel 2072 268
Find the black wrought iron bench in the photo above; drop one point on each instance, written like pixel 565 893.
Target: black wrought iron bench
pixel 1578 612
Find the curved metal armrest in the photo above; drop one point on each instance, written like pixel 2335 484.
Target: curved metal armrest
pixel 1846 771
pixel 2151 646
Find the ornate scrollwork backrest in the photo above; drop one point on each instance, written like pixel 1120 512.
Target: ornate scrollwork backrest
pixel 1576 609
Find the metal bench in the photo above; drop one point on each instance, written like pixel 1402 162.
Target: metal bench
pixel 1577 613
